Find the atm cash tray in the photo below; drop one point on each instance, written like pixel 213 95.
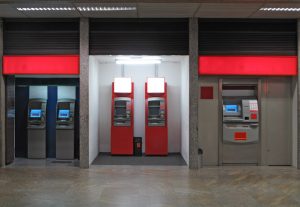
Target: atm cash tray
pixel 240 133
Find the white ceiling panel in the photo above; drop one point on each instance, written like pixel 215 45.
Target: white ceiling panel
pixel 108 14
pixel 176 10
pixel 8 11
pixel 227 10
pixel 276 14
pixel 48 14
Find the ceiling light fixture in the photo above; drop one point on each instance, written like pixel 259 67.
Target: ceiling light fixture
pixel 138 60
pixel 114 8
pixel 46 8
pixel 280 9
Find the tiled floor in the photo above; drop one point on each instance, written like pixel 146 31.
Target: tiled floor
pixel 148 186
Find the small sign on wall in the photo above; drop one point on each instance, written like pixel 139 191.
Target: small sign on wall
pixel 207 92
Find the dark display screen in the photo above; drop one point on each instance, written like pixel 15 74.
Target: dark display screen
pixel 35 113
pixel 64 114
pixel 231 108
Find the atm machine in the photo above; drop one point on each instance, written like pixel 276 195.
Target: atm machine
pixel 65 137
pixel 240 123
pixel 122 117
pixel 156 127
pixel 36 129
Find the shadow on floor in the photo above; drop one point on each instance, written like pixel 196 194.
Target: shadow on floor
pixel 24 162
pixel 174 159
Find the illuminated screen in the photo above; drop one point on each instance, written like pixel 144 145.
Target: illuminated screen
pixel 63 114
pixel 35 113
pixel 231 108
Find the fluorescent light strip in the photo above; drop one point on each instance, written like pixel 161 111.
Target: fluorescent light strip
pixel 115 8
pixel 280 9
pixel 138 60
pixel 46 9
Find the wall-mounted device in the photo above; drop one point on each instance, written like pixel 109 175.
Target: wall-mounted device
pixel 65 110
pixel 240 123
pixel 122 117
pixel 36 128
pixel 156 127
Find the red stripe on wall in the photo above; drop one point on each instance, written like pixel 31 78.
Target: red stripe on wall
pixel 248 65
pixel 41 65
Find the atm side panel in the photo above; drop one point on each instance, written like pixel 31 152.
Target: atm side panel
pixel 278 122
pixel 208 122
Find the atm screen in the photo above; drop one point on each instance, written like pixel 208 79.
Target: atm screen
pixel 35 113
pixel 231 108
pixel 64 114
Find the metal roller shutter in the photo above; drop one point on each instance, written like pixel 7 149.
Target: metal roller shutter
pixel 139 37
pixel 41 36
pixel 247 37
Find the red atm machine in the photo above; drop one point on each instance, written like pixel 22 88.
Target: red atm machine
pixel 156 117
pixel 122 117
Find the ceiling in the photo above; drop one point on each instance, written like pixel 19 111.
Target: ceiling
pixel 153 8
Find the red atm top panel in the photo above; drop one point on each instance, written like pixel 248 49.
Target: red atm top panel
pixel 248 65
pixel 41 65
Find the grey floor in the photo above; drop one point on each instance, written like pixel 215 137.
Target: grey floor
pixel 170 160
pixel 148 186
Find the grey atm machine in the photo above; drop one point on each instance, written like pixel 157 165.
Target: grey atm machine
pixel 36 127
pixel 65 129
pixel 240 123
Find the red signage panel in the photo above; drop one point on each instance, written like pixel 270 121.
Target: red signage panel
pixel 41 64
pixel 248 65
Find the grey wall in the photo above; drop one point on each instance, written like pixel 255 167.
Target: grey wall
pixel 2 102
pixel 208 116
pixel 108 70
pixel 194 94
pixel 84 94
pixel 276 122
pixel 10 120
pixel 294 121
pixel 298 96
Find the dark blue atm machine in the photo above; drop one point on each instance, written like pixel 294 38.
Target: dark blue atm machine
pixel 36 126
pixel 65 110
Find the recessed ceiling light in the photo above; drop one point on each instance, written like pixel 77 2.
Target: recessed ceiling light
pixel 115 8
pixel 46 8
pixel 138 60
pixel 280 9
